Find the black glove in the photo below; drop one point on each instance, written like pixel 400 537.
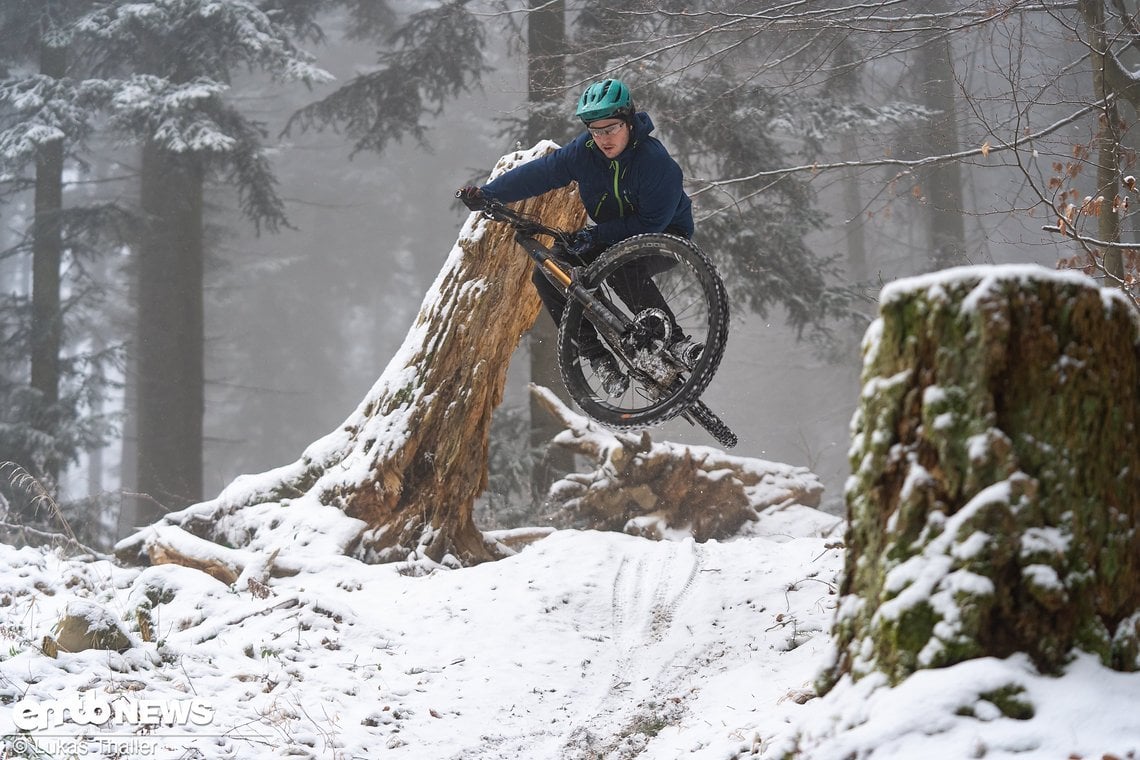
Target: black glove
pixel 472 197
pixel 581 242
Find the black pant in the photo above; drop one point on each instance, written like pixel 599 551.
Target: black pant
pixel 633 283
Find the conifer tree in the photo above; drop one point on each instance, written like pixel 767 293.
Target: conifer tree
pixel 177 60
pixel 47 111
pixel 441 52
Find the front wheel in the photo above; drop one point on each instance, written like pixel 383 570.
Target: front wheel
pixel 669 294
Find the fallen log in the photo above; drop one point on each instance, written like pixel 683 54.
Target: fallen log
pixel 660 489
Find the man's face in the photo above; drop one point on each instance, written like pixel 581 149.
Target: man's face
pixel 610 135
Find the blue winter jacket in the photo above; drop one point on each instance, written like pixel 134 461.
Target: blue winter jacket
pixel 639 191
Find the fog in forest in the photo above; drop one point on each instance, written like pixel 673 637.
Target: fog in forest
pixel 300 323
pixel 305 321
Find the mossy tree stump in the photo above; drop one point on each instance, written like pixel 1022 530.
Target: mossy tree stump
pixel 994 504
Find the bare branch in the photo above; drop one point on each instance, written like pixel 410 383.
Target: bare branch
pixel 984 151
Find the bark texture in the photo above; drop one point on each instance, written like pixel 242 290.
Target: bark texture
pixel 170 336
pixel 47 285
pixel 657 489
pixel 995 496
pixel 452 381
pixel 406 467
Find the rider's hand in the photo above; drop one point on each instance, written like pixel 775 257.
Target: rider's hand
pixel 582 241
pixel 472 197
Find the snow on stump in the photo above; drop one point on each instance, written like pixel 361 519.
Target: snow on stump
pixel 994 505
pixel 660 489
pixel 86 625
pixel 398 480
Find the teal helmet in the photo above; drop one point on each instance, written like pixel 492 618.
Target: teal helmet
pixel 607 99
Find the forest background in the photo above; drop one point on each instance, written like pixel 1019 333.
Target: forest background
pixel 243 204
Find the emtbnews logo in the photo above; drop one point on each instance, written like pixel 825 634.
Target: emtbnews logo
pixel 95 710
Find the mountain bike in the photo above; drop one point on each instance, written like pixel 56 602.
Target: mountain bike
pixel 689 311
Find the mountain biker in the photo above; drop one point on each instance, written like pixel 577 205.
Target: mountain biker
pixel 629 184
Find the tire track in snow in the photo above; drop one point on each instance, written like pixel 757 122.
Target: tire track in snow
pixel 669 595
pixel 646 591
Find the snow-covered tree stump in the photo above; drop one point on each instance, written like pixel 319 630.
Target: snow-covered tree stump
pixel 400 476
pixel 994 506
pixel 655 489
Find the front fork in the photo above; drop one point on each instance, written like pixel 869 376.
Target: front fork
pixel 622 333
pixel 602 314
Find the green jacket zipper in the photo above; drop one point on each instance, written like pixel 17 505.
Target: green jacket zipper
pixel 617 192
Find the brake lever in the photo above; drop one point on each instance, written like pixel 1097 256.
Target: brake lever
pixel 494 212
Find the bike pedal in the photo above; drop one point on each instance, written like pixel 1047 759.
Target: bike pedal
pixel 687 351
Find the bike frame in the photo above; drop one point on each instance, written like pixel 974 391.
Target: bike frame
pixel 623 334
pixel 605 318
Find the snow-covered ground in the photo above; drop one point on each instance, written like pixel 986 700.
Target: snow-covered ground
pixel 583 645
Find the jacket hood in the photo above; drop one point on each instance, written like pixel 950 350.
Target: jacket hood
pixel 642 126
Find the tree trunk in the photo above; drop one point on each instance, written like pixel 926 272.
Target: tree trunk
pixel 169 345
pixel 1106 143
pixel 995 502
pixel 422 486
pixel 942 184
pixel 546 44
pixel 853 208
pixel 846 89
pixel 409 463
pixel 47 263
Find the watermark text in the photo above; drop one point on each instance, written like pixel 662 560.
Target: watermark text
pixel 91 709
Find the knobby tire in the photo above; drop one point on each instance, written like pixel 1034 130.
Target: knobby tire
pixel 652 403
pixel 703 416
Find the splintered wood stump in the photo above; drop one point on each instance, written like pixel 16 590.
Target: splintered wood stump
pixel 399 479
pixel 448 379
pixel 655 489
pixel 994 506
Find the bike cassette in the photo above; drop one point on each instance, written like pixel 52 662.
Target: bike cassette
pixel 653 327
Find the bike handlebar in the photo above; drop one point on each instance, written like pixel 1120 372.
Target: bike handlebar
pixel 498 212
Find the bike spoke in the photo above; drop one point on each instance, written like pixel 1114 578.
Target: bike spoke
pixel 667 300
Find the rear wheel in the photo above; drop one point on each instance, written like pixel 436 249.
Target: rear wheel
pixel 669 293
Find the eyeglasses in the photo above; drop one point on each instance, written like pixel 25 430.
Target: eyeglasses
pixel 605 131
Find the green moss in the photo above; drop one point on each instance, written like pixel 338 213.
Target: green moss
pixel 1036 386
pixel 948 422
pixel 1009 700
pixel 1126 644
pixel 1093 637
pixel 404 396
pixel 898 641
pixel 915 627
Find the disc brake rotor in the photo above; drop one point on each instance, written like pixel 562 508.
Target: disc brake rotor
pixel 653 331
